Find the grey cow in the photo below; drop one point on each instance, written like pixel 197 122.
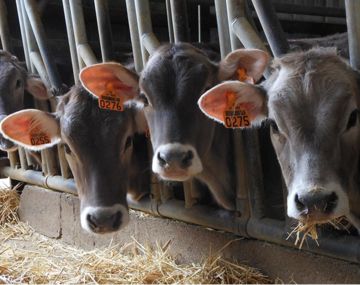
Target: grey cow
pixel 312 104
pixel 14 81
pixel 187 145
pixel 100 151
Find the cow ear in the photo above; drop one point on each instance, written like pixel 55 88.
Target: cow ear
pixel 235 98
pixel 100 79
pixel 246 65
pixel 36 87
pixel 32 129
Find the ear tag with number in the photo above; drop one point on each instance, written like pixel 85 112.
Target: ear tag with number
pixel 38 137
pixel 235 114
pixel 110 99
pixel 244 77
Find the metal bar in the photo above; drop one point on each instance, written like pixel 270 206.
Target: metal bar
pixel 14 159
pixel 343 247
pixel 180 21
pixel 188 189
pixel 38 63
pixel 71 40
pixel 4 28
pixel 37 178
pixel 241 27
pixel 353 26
pixel 199 23
pixel 134 35
pixel 39 33
pixel 64 166
pixel 234 40
pixel 86 54
pixel 271 26
pixel 222 27
pixel 104 28
pixel 22 156
pixel 309 10
pixel 145 26
pixel 169 21
pixel 150 42
pixel 78 23
pixel 21 18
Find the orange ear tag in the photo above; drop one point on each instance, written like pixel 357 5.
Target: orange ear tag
pixel 37 137
pixel 110 99
pixel 244 77
pixel 235 115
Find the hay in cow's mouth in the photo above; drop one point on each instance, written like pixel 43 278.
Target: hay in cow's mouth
pixel 307 228
pixel 28 257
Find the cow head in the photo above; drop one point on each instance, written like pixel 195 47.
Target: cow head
pixel 98 146
pixel 311 103
pixel 14 81
pixel 170 86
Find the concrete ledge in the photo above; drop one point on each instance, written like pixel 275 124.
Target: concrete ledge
pixel 57 215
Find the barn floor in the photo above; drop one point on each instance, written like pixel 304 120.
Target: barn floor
pixel 56 215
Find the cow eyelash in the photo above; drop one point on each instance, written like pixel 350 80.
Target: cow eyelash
pixel 274 126
pixel 128 143
pixel 143 99
pixel 67 149
pixel 352 119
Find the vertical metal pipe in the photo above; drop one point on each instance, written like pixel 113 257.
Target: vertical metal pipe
pixel 353 27
pixel 71 40
pixel 234 40
pixel 22 156
pixel 78 23
pixel 199 23
pixel 134 35
pixel 104 28
pixel 14 159
pixel 144 23
pixel 271 26
pixel 222 27
pixel 39 33
pixel 169 21
pixel 180 20
pixel 4 28
pixel 23 34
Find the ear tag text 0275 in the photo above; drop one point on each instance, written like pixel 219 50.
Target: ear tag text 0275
pixel 110 99
pixel 235 114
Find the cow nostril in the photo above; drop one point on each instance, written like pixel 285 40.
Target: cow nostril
pixel 161 159
pixel 331 202
pixel 299 205
pixel 187 158
pixel 91 221
pixel 117 220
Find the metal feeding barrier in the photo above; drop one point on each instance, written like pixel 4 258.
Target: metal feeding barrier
pixel 259 187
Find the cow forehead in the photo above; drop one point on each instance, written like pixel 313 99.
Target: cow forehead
pixel 176 72
pixel 82 120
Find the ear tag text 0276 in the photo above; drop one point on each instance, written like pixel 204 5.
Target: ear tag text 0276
pixel 110 99
pixel 235 114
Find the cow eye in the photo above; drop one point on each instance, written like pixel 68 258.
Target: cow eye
pixel 67 149
pixel 18 83
pixel 352 119
pixel 143 99
pixel 128 143
pixel 274 127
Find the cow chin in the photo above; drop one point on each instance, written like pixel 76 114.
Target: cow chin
pixel 179 176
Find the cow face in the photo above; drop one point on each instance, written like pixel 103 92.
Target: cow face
pixel 14 80
pixel 171 84
pixel 98 146
pixel 311 103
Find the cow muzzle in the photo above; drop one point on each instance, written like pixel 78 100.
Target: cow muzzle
pixel 101 220
pixel 176 162
pixel 318 204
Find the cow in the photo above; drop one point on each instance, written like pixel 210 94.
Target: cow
pixel 14 82
pixel 186 145
pixel 99 148
pixel 311 102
